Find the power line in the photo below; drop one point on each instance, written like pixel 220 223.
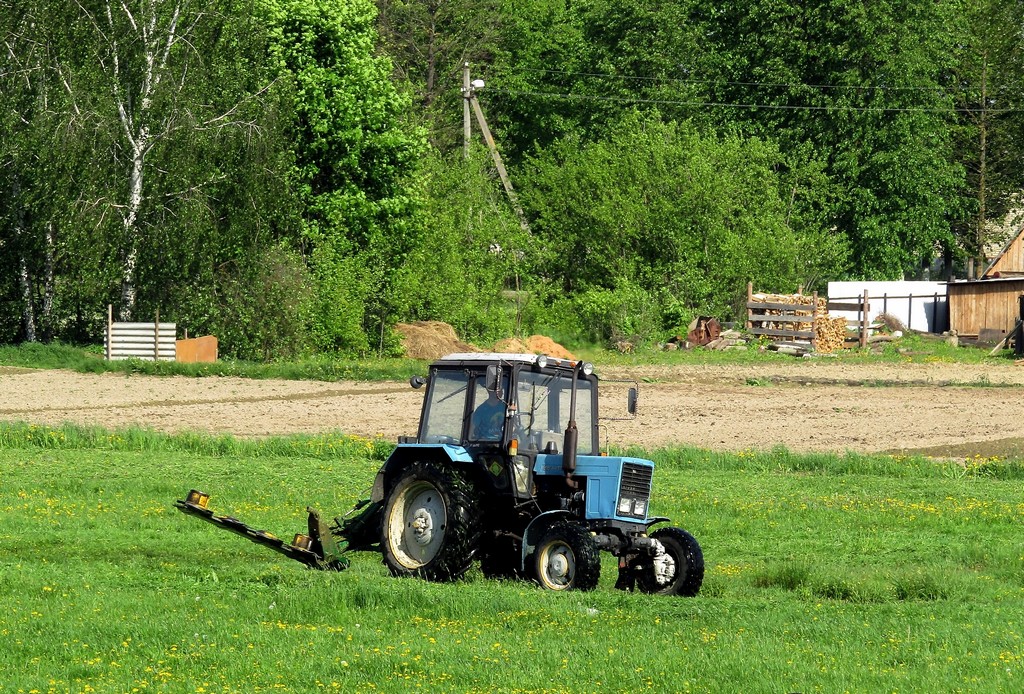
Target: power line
pixel 730 83
pixel 722 104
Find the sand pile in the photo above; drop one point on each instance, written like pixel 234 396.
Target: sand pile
pixel 535 344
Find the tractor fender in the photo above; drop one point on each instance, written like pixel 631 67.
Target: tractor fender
pixel 535 529
pixel 655 520
pixel 408 453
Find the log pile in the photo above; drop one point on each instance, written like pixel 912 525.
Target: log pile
pixel 792 300
pixel 829 331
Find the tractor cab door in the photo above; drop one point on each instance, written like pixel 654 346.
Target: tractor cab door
pixel 466 407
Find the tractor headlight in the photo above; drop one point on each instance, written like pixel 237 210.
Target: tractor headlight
pixel 542 361
pixel 588 368
pixel 625 505
pixel 640 507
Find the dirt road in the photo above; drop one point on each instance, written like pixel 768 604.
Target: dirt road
pixel 806 405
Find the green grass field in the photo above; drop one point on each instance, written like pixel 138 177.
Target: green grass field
pixel 824 573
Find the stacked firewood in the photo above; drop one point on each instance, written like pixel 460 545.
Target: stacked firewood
pixel 794 300
pixel 829 332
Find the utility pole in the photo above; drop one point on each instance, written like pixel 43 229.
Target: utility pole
pixel 469 101
pixel 467 132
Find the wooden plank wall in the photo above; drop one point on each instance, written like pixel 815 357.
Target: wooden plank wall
pixel 985 304
pixel 1011 262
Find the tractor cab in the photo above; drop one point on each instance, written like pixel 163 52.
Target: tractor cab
pixel 505 410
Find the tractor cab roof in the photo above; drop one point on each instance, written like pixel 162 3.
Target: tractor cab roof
pixel 486 358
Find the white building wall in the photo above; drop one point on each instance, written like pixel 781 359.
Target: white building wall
pixel 920 306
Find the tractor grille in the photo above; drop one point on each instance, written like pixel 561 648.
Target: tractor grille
pixel 634 490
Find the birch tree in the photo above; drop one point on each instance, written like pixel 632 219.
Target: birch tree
pixel 149 58
pixel 38 118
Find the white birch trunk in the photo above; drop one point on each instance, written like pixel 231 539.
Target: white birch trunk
pixel 28 312
pixel 156 42
pixel 48 282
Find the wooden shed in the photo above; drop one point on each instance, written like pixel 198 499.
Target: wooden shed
pixel 1010 261
pixel 988 308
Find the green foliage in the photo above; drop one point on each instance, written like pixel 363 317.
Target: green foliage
pixel 352 164
pixel 262 309
pixel 859 91
pixel 473 261
pixel 659 211
pixel 667 154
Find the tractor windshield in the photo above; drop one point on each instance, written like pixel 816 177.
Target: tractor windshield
pixel 543 403
pixel 442 419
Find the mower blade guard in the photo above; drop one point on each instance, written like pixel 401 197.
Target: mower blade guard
pixel 317 550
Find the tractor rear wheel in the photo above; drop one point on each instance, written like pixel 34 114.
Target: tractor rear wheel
pixel 430 526
pixel 567 557
pixel 680 571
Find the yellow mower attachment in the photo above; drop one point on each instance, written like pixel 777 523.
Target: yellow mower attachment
pixel 321 548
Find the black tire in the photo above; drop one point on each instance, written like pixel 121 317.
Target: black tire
pixel 430 525
pixel 687 573
pixel 567 558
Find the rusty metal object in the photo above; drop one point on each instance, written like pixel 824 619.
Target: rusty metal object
pixel 703 330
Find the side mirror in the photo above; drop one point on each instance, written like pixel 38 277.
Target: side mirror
pixel 417 382
pixel 493 380
pixel 631 399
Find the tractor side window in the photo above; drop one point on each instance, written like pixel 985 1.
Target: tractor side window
pixel 488 413
pixel 442 419
pixel 584 411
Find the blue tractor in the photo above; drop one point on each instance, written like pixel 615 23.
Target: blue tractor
pixel 506 469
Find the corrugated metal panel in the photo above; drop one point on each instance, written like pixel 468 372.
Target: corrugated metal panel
pixel 152 341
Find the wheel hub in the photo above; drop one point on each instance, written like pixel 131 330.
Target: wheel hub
pixel 559 566
pixel 664 566
pixel 422 525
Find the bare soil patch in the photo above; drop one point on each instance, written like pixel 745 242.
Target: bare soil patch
pixel 806 405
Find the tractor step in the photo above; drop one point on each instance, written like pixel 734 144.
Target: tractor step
pixel 319 549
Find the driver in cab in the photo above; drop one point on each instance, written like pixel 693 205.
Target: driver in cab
pixel 488 418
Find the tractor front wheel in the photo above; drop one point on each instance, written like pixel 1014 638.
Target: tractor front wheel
pixel 430 525
pixel 567 557
pixel 679 571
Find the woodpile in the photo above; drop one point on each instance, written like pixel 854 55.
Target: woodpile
pixel 829 331
pixel 801 300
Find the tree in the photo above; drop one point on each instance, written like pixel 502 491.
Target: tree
pixel 666 215
pixel 44 136
pixel 989 84
pixel 156 100
pixel 863 84
pixel 473 252
pixel 428 42
pixel 353 162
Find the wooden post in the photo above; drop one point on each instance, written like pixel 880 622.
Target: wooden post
pixel 750 312
pixel 156 337
pixel 864 320
pixel 814 321
pixel 110 328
